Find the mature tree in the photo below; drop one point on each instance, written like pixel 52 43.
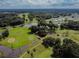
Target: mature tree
pixel 42 31
pixel 3 23
pixel 17 21
pixel 52 26
pixel 73 25
pixel 5 33
pixel 0 36
pixel 48 42
pixel 42 23
pixel 30 16
pixel 34 50
pixel 32 55
pixel 69 49
pixel 33 29
pixel 38 19
pixel 5 19
pixel 51 42
pixel 28 52
pixel 39 30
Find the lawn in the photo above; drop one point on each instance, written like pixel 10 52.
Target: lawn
pixel 45 54
pixel 41 52
pixel 72 34
pixel 18 37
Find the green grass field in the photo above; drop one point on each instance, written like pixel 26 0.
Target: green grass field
pixel 19 36
pixel 41 52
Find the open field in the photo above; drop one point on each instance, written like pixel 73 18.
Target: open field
pixel 20 37
pixel 41 52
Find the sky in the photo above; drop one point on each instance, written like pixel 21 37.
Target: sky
pixel 38 4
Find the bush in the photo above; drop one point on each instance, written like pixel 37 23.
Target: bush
pixel 69 49
pixel 33 29
pixel 5 33
pixel 51 42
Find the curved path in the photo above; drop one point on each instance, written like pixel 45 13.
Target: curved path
pixel 6 51
pixel 15 53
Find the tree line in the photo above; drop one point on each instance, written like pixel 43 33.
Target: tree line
pixel 69 48
pixel 71 24
pixel 43 28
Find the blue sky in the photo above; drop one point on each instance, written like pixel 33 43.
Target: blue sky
pixel 36 4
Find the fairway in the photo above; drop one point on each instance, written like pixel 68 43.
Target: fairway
pixel 19 36
pixel 41 52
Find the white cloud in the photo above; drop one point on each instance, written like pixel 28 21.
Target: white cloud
pixel 38 3
pixel 44 2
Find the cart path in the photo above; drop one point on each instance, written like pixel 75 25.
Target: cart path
pixel 14 53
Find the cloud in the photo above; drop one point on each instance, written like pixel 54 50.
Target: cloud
pixel 39 3
pixel 44 2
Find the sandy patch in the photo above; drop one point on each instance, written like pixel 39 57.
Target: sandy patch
pixel 11 40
